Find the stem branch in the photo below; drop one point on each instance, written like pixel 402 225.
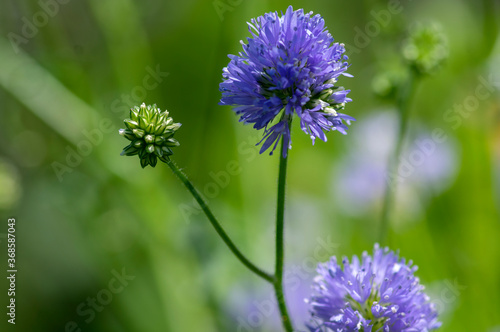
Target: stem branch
pixel 217 226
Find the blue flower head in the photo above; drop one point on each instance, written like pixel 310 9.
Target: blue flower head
pixel 376 293
pixel 289 65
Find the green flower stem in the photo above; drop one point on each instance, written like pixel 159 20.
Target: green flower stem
pixel 217 226
pixel 280 214
pixel 403 105
pixel 277 278
pixel 490 32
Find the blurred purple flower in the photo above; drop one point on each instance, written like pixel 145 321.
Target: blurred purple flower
pixel 360 180
pixel 255 308
pixel 376 293
pixel 289 66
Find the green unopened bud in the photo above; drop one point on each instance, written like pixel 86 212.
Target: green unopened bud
pixel 173 127
pixel 160 139
pixel 143 122
pixel 127 133
pixel 154 118
pixel 138 132
pixel 131 124
pixel 167 150
pixel 158 151
pixel 129 150
pixel 160 128
pixel 150 128
pixel 172 142
pixel 425 48
pixel 151 134
pixel 134 115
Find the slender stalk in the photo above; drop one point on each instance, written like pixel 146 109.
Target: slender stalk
pixel 280 214
pixel 403 105
pixel 277 278
pixel 217 226
pixel 490 32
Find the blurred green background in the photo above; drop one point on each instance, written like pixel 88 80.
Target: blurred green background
pixel 69 71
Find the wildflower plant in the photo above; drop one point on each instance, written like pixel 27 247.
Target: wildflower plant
pixel 424 51
pixel 378 292
pixel 290 68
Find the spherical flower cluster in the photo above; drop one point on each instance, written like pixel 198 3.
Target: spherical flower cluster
pixel 376 293
pixel 289 66
pixel 151 134
pixel 426 48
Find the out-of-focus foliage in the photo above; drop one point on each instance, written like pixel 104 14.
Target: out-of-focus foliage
pixel 86 214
